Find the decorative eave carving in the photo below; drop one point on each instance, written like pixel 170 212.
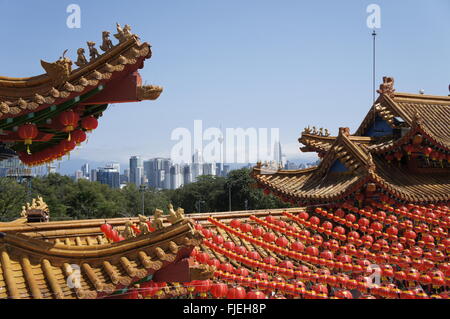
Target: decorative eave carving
pixel 148 92
pixel 58 71
pixel 201 272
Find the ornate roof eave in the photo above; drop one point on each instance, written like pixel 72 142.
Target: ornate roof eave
pixel 148 92
pixel 381 107
pixel 315 143
pixel 352 188
pixel 149 253
pixel 403 196
pixel 19 96
pixel 355 158
pixel 417 127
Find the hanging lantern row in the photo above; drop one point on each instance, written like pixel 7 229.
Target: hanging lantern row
pixel 286 269
pixel 311 254
pixel 353 238
pixel 413 150
pixel 302 274
pixel 29 131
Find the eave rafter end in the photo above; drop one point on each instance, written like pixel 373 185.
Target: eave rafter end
pixel 148 92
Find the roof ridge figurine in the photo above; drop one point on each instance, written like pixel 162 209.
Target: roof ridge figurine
pixel 175 216
pixel 143 225
pixel 157 221
pixel 123 34
pixel 106 42
pixel 81 60
pixel 93 53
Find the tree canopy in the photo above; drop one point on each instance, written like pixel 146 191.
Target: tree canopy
pixel 68 199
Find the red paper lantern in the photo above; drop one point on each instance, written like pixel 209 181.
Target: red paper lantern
pixel 229 245
pixel 389 158
pixel 282 241
pixel 202 286
pixel 257 232
pixel 253 255
pixel 207 233
pixel 89 123
pixel 398 155
pixel 106 229
pixel 427 151
pixel 227 267
pixel 79 136
pixel 235 223
pixel 269 237
pixel 297 246
pixel 314 220
pixel 270 260
pixel 408 149
pixel 219 290
pixel 312 251
pixel 28 132
pixel 255 294
pixel 69 119
pixel 303 215
pixel 245 228
pixel 202 257
pixel 236 293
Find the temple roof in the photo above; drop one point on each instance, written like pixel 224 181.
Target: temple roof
pixel 351 160
pixel 37 260
pixel 60 82
pixel 434 111
pixel 411 186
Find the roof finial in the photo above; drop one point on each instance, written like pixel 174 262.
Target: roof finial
pixel 387 87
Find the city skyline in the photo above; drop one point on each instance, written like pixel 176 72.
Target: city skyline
pixel 163 173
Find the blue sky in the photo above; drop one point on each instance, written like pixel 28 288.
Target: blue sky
pixel 263 64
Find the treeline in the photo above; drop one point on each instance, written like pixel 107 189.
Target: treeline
pixel 68 199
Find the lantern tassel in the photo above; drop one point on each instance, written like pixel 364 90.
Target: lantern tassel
pixel 28 149
pixel 69 137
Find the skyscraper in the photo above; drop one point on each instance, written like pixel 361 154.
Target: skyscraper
pixel 278 154
pixel 226 170
pixel 78 174
pixel 157 171
pixel 209 169
pixel 109 175
pixel 85 170
pixel 149 171
pixel 197 165
pixel 125 178
pixel 136 170
pixel 167 163
pixel 175 176
pixel 93 175
pixel 113 165
pixel 187 177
